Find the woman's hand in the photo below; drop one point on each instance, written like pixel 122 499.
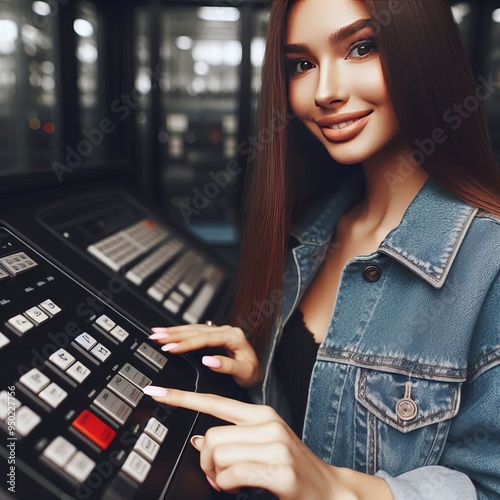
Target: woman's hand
pixel 260 451
pixel 241 362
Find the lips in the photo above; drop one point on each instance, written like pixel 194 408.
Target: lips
pixel 344 126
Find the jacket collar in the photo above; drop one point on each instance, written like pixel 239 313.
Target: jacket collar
pixel 426 241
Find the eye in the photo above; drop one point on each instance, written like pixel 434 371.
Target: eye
pixel 362 49
pixel 299 66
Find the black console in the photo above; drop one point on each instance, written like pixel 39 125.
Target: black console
pixel 74 422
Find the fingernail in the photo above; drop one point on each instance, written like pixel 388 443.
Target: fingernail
pixel 211 482
pixel 152 390
pixel 167 347
pixel 159 329
pixel 197 442
pixel 211 362
pixel 159 336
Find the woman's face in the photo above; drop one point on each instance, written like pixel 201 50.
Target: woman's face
pixel 336 83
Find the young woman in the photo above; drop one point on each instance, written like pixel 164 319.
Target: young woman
pixel 374 321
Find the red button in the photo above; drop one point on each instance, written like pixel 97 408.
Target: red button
pixel 94 429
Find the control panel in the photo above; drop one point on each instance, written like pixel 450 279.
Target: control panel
pixel 161 265
pixel 74 422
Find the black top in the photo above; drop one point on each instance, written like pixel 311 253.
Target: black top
pixel 294 361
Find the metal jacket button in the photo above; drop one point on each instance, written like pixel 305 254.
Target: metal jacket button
pixel 406 408
pixel 372 273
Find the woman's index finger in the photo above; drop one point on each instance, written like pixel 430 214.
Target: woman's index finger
pixel 220 407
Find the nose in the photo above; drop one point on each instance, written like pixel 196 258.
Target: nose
pixel 332 88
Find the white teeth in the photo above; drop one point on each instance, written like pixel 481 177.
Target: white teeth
pixel 337 126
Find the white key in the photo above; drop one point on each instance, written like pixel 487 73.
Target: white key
pixel 62 359
pixel 26 421
pixel 78 372
pixel 86 341
pixel 119 333
pixel 5 399
pixel 59 452
pixel 199 304
pixel 156 430
pixel 20 324
pixel 3 275
pixel 101 352
pixel 36 315
pixel 80 467
pixel 50 308
pixel 35 380
pixel 147 447
pixel 3 341
pixel 53 395
pixel 136 467
pixel 105 323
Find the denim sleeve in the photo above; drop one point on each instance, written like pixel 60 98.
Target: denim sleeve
pixel 469 466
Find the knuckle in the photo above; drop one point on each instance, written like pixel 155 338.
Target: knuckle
pixel 238 333
pixel 238 472
pixel 270 414
pixel 277 428
pixel 283 453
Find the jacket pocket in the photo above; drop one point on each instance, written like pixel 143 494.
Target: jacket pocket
pixel 406 420
pixel 404 402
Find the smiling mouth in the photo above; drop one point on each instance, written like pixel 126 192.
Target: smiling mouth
pixel 338 126
pixel 343 131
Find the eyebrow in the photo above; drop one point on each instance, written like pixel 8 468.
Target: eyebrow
pixel 335 37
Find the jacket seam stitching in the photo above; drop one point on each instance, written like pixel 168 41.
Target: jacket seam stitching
pixel 355 355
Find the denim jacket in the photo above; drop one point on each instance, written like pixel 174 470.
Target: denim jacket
pixel 406 384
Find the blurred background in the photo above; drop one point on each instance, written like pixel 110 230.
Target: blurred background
pixel 166 90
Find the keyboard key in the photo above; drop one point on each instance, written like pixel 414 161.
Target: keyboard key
pixel 59 451
pixel 50 308
pixel 126 390
pixel 174 302
pixel 119 333
pixel 5 399
pixel 26 421
pixel 200 303
pixel 3 275
pixel 105 323
pixel 35 380
pixel 156 430
pixel 152 355
pixel 113 406
pixel 3 341
pixel 17 263
pixel 153 262
pixel 136 467
pixel 62 359
pixel 36 315
pixel 135 376
pixel 86 341
pixel 80 467
pixel 147 447
pixel 94 428
pixel 78 372
pixel 20 324
pixel 53 395
pixel 101 352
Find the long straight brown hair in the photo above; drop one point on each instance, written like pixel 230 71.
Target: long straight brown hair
pixel 427 73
